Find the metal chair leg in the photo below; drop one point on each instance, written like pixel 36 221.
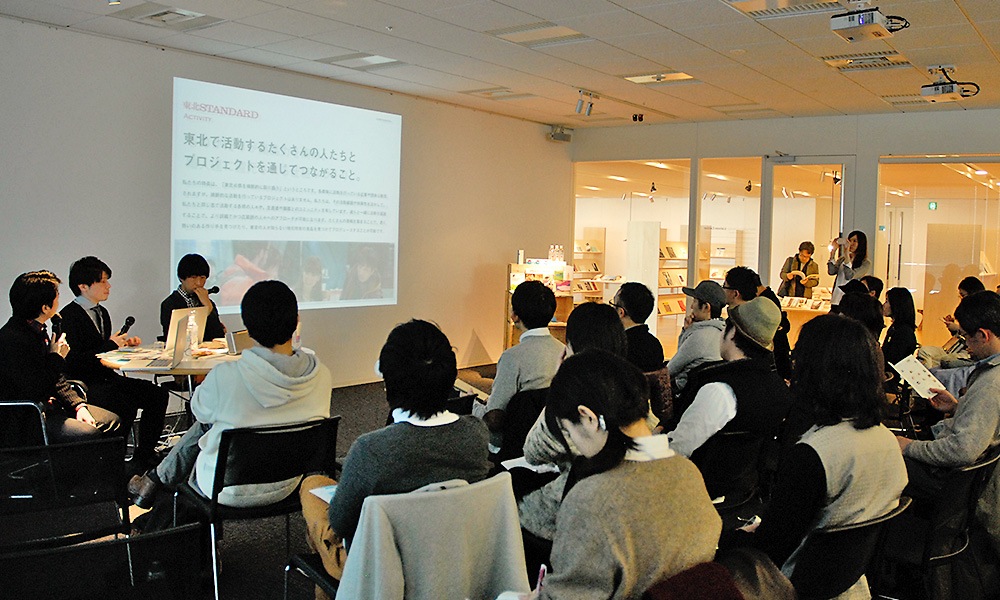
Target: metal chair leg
pixel 215 562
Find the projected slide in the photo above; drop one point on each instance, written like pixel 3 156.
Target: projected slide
pixel 266 186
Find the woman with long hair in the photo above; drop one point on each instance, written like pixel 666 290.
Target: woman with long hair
pixel 901 338
pixel 847 467
pixel 851 262
pixel 606 545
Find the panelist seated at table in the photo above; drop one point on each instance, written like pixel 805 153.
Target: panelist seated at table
pixel 32 365
pixel 271 384
pixel 89 332
pixel 193 272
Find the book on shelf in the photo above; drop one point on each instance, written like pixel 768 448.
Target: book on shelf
pixel 671 252
pixel 662 257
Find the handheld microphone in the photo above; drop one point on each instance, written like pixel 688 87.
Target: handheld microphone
pixel 213 290
pixel 129 321
pixel 56 326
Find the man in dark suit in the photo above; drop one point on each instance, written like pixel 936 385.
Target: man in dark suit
pixel 89 332
pixel 32 365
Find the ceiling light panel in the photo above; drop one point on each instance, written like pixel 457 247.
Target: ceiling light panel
pixel 775 9
pixel 539 35
pixel 663 77
pixel 866 61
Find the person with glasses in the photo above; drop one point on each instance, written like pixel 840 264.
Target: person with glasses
pixel 634 303
pixel 972 425
pixel 741 284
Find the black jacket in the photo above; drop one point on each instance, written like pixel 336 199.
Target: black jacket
pixel 85 342
pixel 28 371
pixel 213 326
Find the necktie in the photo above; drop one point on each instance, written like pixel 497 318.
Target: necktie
pixel 99 320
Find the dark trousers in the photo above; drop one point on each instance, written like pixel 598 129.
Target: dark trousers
pixel 63 428
pixel 125 396
pixel 925 484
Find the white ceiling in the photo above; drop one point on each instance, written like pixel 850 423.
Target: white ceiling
pixel 450 50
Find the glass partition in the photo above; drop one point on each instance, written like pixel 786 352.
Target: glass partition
pixel 730 215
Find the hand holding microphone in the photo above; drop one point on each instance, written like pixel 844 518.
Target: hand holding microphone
pixel 122 338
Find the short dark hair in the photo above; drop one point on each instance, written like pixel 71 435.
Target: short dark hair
pixel 534 303
pixel 979 311
pixel 746 345
pixel 596 325
pixel 192 265
pixel 716 311
pixel 31 291
pixel 419 367
pixel 900 303
pixel 864 309
pixel 87 271
pixel 608 385
pixel 744 280
pixel 970 285
pixel 838 372
pixel 808 247
pixel 270 313
pixel 636 300
pixel 874 284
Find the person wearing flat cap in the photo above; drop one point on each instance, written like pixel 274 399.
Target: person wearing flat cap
pixel 701 337
pixel 743 395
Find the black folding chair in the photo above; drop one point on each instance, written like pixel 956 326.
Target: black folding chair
pixel 257 455
pixel 156 566
pixel 23 424
pixel 833 559
pixel 63 493
pixel 521 413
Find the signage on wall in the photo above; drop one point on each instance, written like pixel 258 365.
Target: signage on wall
pixel 932 206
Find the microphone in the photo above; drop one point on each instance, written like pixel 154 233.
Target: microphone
pixel 129 321
pixel 213 290
pixel 56 326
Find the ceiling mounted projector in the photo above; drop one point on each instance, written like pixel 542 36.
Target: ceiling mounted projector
pixel 946 89
pixel 860 25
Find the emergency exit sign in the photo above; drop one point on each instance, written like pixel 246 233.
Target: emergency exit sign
pixel 932 206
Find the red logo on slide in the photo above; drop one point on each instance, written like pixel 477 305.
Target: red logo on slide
pixel 221 110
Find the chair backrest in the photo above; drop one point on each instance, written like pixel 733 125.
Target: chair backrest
pixel 273 453
pixel 161 565
pixel 955 506
pixel 520 415
pixel 63 492
pixel 462 542
pixel 661 398
pixel 831 560
pixel 730 464
pixel 22 423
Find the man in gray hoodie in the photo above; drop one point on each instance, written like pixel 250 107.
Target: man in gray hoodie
pixel 701 337
pixel 273 383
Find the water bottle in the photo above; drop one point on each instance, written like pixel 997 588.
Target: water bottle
pixel 192 334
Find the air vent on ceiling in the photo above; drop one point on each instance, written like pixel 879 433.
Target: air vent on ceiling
pixel 539 35
pixel 498 93
pixel 362 61
pixel 166 17
pixel 906 100
pixel 866 61
pixel 776 9
pixel 661 78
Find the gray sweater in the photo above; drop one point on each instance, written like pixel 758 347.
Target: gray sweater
pixel 974 428
pixel 608 545
pixel 403 457
pixel 698 344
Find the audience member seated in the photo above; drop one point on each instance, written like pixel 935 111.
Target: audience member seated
pixel 864 309
pixel 742 395
pixel 590 326
pixel 88 330
pixel 851 263
pixel 635 303
pixel 426 444
pixel 901 337
pixel 740 286
pixel 193 272
pixel 874 285
pixel 845 469
pixel 701 336
pixel 530 364
pixel 271 384
pixel 782 350
pixel 32 367
pixel 953 355
pixel 973 423
pixel 800 273
pixel 606 544
pixel 737 574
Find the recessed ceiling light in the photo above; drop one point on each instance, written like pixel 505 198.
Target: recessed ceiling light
pixel 617 178
pixel 590 187
pixel 660 78
pixel 982 172
pixel 658 165
pixel 716 176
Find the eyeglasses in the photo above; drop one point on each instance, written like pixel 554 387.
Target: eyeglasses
pixel 726 287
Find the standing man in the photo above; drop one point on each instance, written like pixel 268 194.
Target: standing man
pixel 634 303
pixel 32 365
pixel 88 330
pixel 800 273
pixel 193 272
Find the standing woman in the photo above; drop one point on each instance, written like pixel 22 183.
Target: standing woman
pixel 851 263
pixel 901 338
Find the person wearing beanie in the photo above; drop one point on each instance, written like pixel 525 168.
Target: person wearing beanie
pixel 743 395
pixel 701 337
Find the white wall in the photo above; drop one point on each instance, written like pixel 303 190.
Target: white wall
pixel 934 130
pixel 86 170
